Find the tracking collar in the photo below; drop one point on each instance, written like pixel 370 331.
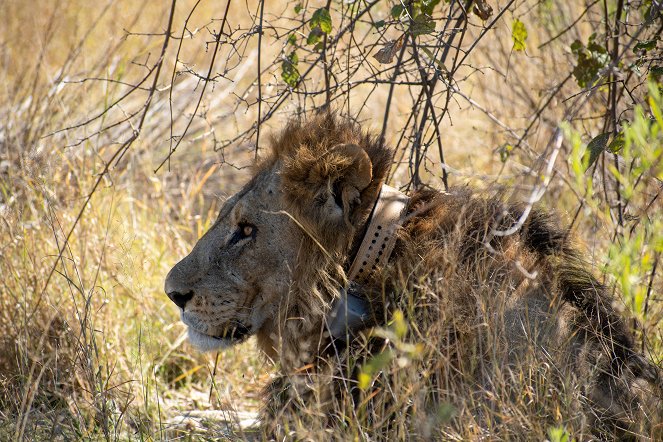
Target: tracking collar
pixel 352 312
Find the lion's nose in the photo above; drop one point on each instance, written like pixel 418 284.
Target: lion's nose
pixel 178 292
pixel 180 299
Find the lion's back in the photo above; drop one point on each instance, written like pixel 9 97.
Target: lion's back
pixel 502 293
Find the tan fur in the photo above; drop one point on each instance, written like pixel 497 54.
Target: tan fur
pixel 479 310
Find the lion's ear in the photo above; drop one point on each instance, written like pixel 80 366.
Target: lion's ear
pixel 355 172
pixel 328 185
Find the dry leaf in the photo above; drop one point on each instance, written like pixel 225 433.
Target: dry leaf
pixel 483 9
pixel 388 52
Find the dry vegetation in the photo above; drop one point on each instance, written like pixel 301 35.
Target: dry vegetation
pixel 118 144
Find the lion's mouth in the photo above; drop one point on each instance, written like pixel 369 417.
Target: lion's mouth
pixel 236 333
pixel 205 342
pixel 232 334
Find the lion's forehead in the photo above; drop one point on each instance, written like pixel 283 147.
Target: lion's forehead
pixel 259 196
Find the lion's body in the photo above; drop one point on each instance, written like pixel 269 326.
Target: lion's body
pixel 512 329
pixel 515 304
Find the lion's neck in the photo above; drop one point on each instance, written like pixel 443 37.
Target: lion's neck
pixel 300 333
pixel 297 336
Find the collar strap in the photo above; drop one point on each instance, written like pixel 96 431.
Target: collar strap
pixel 380 238
pixel 351 312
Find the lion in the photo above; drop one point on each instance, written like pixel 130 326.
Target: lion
pixel 462 331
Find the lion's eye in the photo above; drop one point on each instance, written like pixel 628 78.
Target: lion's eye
pixel 246 230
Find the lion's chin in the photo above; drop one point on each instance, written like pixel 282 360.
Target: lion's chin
pixel 205 342
pixel 231 335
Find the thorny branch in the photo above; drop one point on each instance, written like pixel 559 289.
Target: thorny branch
pixel 405 68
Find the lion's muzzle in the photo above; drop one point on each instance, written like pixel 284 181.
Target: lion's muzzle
pixel 178 292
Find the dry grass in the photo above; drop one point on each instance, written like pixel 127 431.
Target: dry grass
pixel 90 347
pixel 98 352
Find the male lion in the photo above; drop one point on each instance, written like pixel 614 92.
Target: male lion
pixel 509 334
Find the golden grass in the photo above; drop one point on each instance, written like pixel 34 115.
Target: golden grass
pixel 98 351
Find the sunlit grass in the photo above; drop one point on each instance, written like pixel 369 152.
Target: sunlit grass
pixel 90 346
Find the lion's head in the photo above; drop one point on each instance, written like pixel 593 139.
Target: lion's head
pixel 272 262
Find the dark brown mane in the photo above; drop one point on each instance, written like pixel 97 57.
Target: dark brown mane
pixel 301 145
pixel 323 131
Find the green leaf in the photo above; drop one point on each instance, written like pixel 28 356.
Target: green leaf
pixel 298 8
pixel 505 152
pixel 652 13
pixel 595 148
pixel 558 434
pixel 439 64
pixel 617 143
pixel 372 367
pixel 292 39
pixel 427 6
pixel 645 45
pixel 397 10
pixel 314 36
pixel 321 19
pixel 289 72
pixel 379 23
pixel 656 71
pixel 381 360
pixel 577 47
pixel 399 324
pixel 519 35
pixel 364 380
pixel 445 412
pixel 422 25
pixel 591 60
